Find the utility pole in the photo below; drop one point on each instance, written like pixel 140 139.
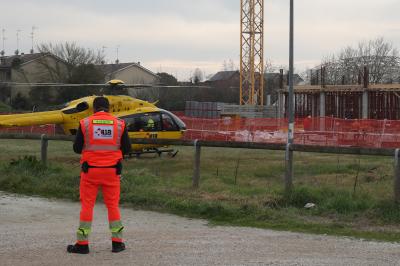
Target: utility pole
pixel 289 151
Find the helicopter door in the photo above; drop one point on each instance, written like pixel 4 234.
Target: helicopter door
pixel 145 125
pixel 168 124
pixel 170 129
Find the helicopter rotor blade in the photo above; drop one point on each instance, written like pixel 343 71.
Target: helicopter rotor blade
pixel 140 86
pixel 119 86
pixel 18 84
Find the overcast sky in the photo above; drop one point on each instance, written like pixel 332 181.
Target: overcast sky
pixel 177 36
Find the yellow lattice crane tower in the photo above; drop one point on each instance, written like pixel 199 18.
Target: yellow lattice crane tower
pixel 252 52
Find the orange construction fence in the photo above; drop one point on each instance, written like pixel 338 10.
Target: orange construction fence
pixel 45 129
pixel 324 131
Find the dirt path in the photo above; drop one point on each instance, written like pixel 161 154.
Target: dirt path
pixel 35 231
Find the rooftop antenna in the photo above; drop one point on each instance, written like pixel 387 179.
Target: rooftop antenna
pixel 33 37
pixel 117 49
pixel 3 38
pixel 17 51
pixel 103 49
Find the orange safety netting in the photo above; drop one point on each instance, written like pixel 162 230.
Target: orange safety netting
pixel 45 129
pixel 310 131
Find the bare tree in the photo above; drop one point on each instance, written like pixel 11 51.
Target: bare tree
pixel 198 76
pixel 229 65
pixel 72 54
pixel 381 58
pixel 269 66
pixel 225 66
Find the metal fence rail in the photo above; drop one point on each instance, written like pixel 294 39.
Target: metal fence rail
pixel 272 146
pixel 197 144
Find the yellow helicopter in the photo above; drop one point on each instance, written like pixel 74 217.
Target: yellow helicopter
pixel 143 119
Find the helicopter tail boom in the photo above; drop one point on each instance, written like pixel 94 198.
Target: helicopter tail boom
pixel 31 119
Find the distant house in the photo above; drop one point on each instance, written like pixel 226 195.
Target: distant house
pixel 231 80
pixel 5 70
pixel 33 68
pixel 225 79
pixel 130 73
pixel 226 86
pixel 274 79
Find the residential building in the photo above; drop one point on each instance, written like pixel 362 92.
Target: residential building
pixel 225 79
pixel 230 82
pixel 130 73
pixel 33 68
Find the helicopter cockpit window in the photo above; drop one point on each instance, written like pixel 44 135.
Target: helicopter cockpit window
pixel 83 106
pixel 152 122
pixel 168 123
pixel 178 122
pixel 143 122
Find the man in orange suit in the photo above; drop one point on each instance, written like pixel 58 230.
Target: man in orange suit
pixel 102 139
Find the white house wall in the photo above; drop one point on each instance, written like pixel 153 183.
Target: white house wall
pixel 42 70
pixel 134 75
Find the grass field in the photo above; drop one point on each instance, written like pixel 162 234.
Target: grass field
pixel 353 195
pixel 4 107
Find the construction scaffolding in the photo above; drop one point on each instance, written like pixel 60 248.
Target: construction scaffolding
pixel 360 100
pixel 252 52
pixel 378 101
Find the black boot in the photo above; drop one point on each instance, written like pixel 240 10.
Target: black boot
pixel 79 249
pixel 117 246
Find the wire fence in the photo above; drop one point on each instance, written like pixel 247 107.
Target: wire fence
pixel 244 163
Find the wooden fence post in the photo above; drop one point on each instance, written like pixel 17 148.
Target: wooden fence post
pixel 397 176
pixel 43 151
pixel 196 170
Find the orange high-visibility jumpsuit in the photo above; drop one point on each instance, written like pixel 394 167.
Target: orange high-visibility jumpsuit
pixel 101 154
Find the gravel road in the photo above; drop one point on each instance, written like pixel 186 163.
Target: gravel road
pixel 35 231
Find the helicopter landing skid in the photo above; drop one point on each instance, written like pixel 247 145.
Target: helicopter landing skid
pixel 171 152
